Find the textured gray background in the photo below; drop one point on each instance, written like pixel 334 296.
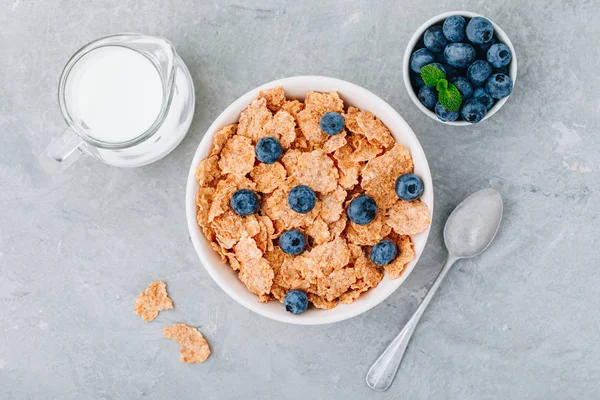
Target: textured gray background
pixel 519 322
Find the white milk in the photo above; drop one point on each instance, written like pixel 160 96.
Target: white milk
pixel 116 92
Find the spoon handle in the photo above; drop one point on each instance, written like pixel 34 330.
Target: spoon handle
pixel 382 372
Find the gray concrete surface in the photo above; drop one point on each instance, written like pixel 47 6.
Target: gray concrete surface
pixel 519 322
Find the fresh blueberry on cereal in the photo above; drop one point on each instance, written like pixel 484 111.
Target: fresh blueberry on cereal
pixel 383 253
pixel 362 210
pixel 332 123
pixel 244 202
pixel 408 187
pixel 292 242
pixel 295 301
pixel 302 199
pixel 268 150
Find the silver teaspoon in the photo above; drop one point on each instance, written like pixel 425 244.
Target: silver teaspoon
pixel 468 232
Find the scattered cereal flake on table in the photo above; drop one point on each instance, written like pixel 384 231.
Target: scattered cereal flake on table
pixel 253 120
pixel 283 128
pixel 225 189
pixel 349 170
pixel 380 174
pixel 320 302
pixel 332 204
pixel 408 217
pixel 332 286
pixel 222 137
pixel 370 234
pixel 374 129
pixel 336 228
pixel 255 271
pixel 237 157
pixel 293 107
pixel 319 231
pixel 324 102
pixel 268 177
pixel 275 98
pixel 230 227
pixel 315 170
pixel 203 201
pixel 193 346
pixel 406 254
pixel 152 300
pixel 350 120
pixel 363 149
pixel 330 256
pixel 208 171
pixel 335 142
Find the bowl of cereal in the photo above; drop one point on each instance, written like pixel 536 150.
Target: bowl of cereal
pixel 308 200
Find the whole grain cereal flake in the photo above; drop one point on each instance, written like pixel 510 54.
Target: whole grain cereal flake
pixel 152 300
pixel 221 137
pixel 275 98
pixel 253 120
pixel 193 347
pixel 408 217
pixel 406 254
pixel 237 156
pixel 380 174
pixel 268 177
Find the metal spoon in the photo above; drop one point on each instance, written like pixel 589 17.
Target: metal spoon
pixel 468 232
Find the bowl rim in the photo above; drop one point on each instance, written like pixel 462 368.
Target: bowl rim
pixel 342 311
pixel 415 38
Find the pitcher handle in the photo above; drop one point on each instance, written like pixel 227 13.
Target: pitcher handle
pixel 62 152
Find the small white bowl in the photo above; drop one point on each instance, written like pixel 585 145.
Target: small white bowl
pixel 502 37
pixel 297 88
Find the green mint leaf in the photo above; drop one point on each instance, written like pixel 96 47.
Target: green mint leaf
pixel 450 98
pixel 441 85
pixel 431 75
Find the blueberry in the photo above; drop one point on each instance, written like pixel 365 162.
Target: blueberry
pixel 292 242
pixel 408 187
pixel 302 199
pixel 244 202
pixel 454 28
pixel 459 55
pixel 362 210
pixel 445 115
pixel 434 39
pixel 440 66
pixel 268 150
pixel 464 87
pixel 295 301
pixel 499 55
pixel 421 58
pixel 417 81
pixel 479 30
pixel 499 86
pixel 483 96
pixel 332 123
pixel 478 72
pixel 383 253
pixel 473 111
pixel 428 96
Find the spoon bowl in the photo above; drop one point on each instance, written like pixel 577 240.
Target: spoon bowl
pixel 473 224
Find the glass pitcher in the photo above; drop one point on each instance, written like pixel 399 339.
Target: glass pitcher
pixel 174 114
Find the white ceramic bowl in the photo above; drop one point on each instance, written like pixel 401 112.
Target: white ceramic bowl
pixel 502 37
pixel 297 87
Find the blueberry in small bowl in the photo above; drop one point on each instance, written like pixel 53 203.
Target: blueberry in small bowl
pixel 477 61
